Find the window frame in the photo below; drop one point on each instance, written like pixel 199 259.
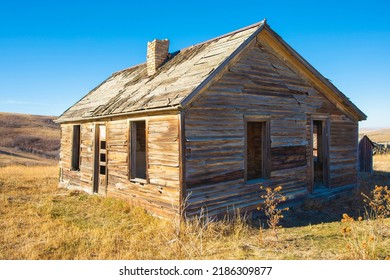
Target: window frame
pixel 76 149
pixel 132 151
pixel 266 147
pixel 325 120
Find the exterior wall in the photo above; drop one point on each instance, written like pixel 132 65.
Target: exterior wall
pixel 343 152
pixel 259 85
pixel 161 193
pixel 83 178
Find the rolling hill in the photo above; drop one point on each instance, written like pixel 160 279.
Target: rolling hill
pixel 28 139
pixel 376 135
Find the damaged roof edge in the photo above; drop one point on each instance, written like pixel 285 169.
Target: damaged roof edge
pixel 173 108
pixel 58 120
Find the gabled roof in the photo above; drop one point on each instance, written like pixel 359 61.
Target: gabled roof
pixel 178 80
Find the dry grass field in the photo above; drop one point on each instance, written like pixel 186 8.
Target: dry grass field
pixel 382 163
pixel 40 221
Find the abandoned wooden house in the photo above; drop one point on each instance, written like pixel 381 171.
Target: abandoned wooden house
pixel 207 125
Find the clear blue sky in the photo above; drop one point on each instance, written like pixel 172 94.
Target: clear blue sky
pixel 53 52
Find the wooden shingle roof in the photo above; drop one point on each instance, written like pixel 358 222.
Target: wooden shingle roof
pixel 181 77
pixel 133 90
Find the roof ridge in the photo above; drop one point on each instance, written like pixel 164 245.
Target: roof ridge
pixel 128 68
pixel 201 43
pixel 260 23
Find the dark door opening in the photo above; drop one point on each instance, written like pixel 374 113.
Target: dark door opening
pixel 320 153
pixel 138 150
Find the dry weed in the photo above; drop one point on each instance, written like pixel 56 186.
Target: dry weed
pixel 272 199
pixel 360 237
pixel 379 202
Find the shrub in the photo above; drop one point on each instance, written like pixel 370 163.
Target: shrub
pixel 272 199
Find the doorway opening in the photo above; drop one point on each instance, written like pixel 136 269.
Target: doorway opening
pixel 320 153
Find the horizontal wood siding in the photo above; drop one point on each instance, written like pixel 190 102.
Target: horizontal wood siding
pixel 81 179
pixel 261 85
pixel 160 195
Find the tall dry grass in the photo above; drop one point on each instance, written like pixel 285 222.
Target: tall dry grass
pixel 382 163
pixel 40 221
pixel 363 234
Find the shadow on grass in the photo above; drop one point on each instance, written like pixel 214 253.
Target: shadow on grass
pixel 312 212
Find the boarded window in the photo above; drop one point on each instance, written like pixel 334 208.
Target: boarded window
pixel 257 155
pixel 76 148
pixel 138 150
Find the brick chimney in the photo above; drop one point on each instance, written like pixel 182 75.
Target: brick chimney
pixel 156 55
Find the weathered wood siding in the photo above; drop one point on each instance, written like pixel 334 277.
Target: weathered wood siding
pixel 365 154
pixel 259 84
pixel 161 194
pixel 83 178
pixel 343 151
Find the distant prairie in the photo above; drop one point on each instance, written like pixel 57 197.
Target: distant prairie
pixel 28 139
pixel 376 134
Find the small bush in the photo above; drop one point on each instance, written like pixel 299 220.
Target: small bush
pixel 379 202
pixel 362 236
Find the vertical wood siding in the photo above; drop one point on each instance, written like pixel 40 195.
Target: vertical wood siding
pixel 365 155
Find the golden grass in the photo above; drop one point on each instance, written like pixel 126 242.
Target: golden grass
pixel 40 221
pixel 382 163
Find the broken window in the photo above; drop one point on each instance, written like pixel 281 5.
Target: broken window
pixel 76 141
pixel 257 145
pixel 138 150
